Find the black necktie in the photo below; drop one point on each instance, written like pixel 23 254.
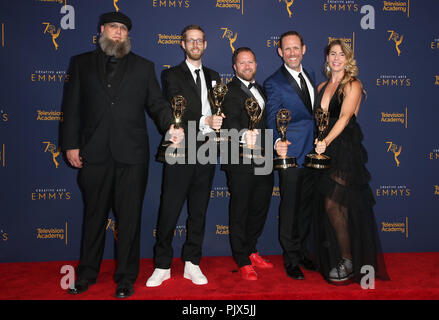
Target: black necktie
pixel 198 82
pixel 110 67
pixel 305 91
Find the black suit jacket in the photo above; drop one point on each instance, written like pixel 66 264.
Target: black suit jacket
pixel 178 80
pixel 105 121
pixel 237 118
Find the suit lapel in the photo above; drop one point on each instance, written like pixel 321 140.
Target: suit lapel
pixel 188 77
pixel 261 91
pixel 248 91
pixel 121 73
pixel 99 65
pixel 123 69
pixel 295 86
pixel 245 88
pixel 189 85
pixel 207 78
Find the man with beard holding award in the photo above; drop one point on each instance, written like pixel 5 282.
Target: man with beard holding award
pixel 104 134
pixel 250 193
pixel 191 182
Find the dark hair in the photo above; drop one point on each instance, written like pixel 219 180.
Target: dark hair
pixel 291 33
pixel 191 27
pixel 239 50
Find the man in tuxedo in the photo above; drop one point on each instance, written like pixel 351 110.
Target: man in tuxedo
pixel 191 182
pixel 104 134
pixel 250 194
pixel 292 87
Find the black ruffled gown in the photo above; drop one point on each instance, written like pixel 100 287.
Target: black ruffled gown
pixel 344 222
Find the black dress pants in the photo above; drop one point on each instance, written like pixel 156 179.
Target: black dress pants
pixel 295 212
pixel 181 182
pixel 250 197
pixel 119 187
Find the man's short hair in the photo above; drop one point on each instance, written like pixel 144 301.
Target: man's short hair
pixel 239 50
pixel 290 33
pixel 191 27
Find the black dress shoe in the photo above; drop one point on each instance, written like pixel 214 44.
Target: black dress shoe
pixel 81 285
pixel 124 291
pixel 308 264
pixel 295 272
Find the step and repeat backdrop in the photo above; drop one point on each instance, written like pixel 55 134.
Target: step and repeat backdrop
pixel 396 45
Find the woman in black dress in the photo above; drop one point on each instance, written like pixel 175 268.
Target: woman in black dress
pixel 346 235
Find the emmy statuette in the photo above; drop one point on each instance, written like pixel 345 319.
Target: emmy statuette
pixel 283 118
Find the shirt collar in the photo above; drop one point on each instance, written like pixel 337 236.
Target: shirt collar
pixel 245 81
pixel 192 68
pixel 294 73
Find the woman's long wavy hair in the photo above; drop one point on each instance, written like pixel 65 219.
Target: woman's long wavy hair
pixel 351 69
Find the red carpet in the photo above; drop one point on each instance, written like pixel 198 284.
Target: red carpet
pixel 414 276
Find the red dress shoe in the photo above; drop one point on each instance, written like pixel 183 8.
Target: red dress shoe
pixel 248 273
pixel 258 261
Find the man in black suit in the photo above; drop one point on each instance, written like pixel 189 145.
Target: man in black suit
pixel 250 193
pixel 292 87
pixel 191 182
pixel 104 134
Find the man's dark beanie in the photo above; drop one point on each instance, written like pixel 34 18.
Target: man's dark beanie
pixel 116 17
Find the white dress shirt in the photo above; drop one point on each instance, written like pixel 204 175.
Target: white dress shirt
pixel 295 75
pixel 255 93
pixel 205 105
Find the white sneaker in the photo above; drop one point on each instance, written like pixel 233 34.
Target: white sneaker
pixel 193 272
pixel 158 276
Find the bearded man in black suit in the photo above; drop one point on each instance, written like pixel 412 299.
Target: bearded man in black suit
pixel 186 181
pixel 250 190
pixel 104 134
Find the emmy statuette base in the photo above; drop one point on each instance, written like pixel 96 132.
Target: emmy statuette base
pixel 218 138
pixel 317 161
pixel 283 163
pixel 175 151
pixel 248 151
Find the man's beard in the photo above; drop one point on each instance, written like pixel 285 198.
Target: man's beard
pixel 114 48
pixel 195 56
pixel 246 76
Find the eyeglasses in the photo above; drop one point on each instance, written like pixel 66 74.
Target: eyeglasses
pixel 115 26
pixel 193 41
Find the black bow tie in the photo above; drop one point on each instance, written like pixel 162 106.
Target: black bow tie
pixel 250 85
